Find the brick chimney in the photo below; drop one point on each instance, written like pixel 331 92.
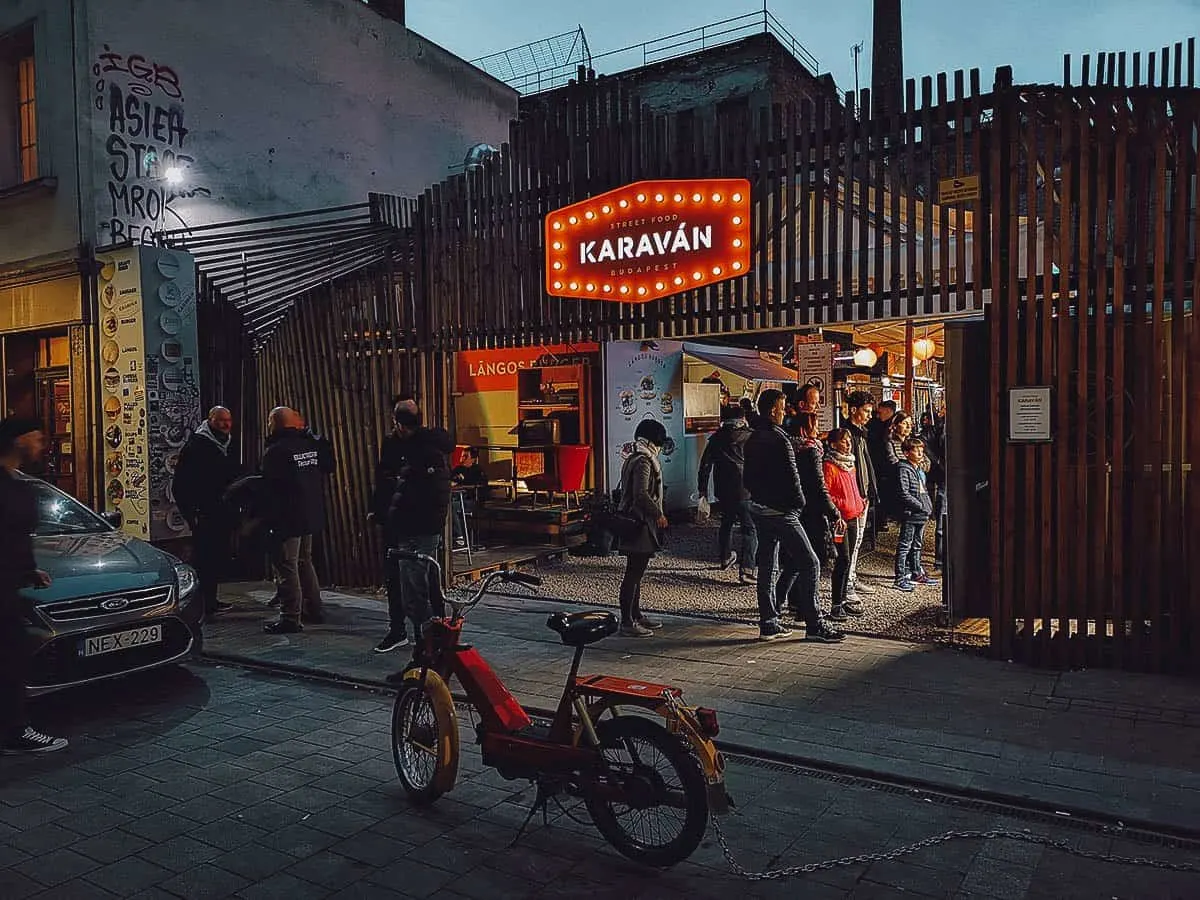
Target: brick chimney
pixel 887 59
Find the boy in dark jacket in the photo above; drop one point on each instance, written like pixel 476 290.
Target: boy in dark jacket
pixel 725 459
pixel 915 507
pixel 294 467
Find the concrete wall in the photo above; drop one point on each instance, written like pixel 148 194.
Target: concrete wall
pixel 40 223
pixel 270 106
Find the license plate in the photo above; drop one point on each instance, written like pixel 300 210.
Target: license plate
pixel 122 640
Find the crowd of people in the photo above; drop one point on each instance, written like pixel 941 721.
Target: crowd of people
pixel 794 494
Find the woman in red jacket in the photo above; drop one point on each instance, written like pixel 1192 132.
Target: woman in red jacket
pixel 842 483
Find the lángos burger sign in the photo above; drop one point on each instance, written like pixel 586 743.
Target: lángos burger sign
pixel 649 239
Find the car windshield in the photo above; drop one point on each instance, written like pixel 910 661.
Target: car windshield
pixel 60 514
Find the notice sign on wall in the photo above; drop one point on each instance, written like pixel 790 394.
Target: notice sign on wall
pixel 814 365
pixel 649 239
pixel 1029 414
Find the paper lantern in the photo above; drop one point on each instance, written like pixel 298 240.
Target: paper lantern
pixel 923 349
pixel 865 357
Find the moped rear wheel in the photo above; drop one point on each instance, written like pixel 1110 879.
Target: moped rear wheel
pixel 425 737
pixel 662 810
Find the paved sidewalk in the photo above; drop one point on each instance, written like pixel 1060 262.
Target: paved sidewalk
pixel 212 782
pixel 1113 744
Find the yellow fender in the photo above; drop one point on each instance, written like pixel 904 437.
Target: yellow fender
pixel 446 772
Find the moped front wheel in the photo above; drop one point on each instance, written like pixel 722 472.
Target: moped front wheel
pixel 425 737
pixel 651 804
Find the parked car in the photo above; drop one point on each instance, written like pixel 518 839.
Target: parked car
pixel 117 604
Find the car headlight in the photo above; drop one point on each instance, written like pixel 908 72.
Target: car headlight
pixel 185 576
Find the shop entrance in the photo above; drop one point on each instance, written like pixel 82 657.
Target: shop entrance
pixel 37 384
pixel 935 372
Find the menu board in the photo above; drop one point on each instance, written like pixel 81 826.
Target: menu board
pixel 644 380
pixel 150 383
pixel 123 388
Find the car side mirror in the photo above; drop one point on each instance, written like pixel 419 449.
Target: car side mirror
pixel 114 518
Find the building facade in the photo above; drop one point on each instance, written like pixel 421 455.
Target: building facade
pixel 125 119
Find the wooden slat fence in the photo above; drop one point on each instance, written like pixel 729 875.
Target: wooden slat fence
pixel 1081 245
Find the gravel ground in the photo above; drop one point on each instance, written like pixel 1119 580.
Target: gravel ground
pixel 685 578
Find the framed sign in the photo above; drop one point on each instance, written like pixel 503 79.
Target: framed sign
pixel 1029 414
pixel 649 239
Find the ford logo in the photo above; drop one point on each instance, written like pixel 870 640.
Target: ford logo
pixel 115 603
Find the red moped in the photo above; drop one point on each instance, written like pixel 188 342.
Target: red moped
pixel 643 762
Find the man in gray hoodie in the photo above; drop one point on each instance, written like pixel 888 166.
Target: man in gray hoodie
pixel 207 466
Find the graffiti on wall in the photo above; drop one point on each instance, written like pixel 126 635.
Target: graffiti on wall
pixel 148 160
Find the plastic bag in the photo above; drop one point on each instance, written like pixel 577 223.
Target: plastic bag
pixel 703 510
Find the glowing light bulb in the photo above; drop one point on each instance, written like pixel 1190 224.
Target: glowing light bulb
pixel 660 197
pixel 658 285
pixel 642 290
pixel 589 215
pixel 558 285
pixel 574 220
pixel 737 220
pixel 641 198
pixel 606 209
pixel 557 264
pixel 624 289
pixel 678 279
pixel 624 204
pixel 558 245
pixel 737 198
pixel 574 285
pixel 717 198
pixel 679 198
pixel 736 266
pixel 697 275
pixel 591 287
pixel 557 226
pixel 716 270
pixel 607 289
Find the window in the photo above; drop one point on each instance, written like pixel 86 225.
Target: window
pixel 18 110
pixel 27 147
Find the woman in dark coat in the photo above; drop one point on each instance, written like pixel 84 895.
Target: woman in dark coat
pixel 641 498
pixel 819 514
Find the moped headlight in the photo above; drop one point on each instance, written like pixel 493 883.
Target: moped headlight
pixel 185 577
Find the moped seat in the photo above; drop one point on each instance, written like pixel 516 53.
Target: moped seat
pixel 582 628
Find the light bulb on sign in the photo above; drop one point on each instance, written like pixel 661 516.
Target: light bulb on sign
pixel 696 198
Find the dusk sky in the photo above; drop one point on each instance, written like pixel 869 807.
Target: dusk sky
pixel 939 35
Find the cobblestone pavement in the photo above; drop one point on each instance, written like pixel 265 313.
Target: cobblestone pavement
pixel 685 579
pixel 214 782
pixel 1112 743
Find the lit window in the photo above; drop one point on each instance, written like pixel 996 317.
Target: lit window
pixel 27 119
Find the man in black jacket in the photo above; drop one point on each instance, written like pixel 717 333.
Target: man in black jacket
pixel 860 404
pixel 205 471
pixel 724 458
pixel 777 501
pixel 21 443
pixel 415 518
pixel 294 467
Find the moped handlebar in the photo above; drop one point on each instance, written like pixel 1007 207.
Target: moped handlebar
pixel 396 555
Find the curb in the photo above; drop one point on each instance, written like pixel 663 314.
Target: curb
pixel 1066 812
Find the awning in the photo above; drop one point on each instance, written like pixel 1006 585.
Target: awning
pixel 262 265
pixel 749 364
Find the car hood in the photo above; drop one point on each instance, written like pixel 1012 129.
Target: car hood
pixel 82 565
